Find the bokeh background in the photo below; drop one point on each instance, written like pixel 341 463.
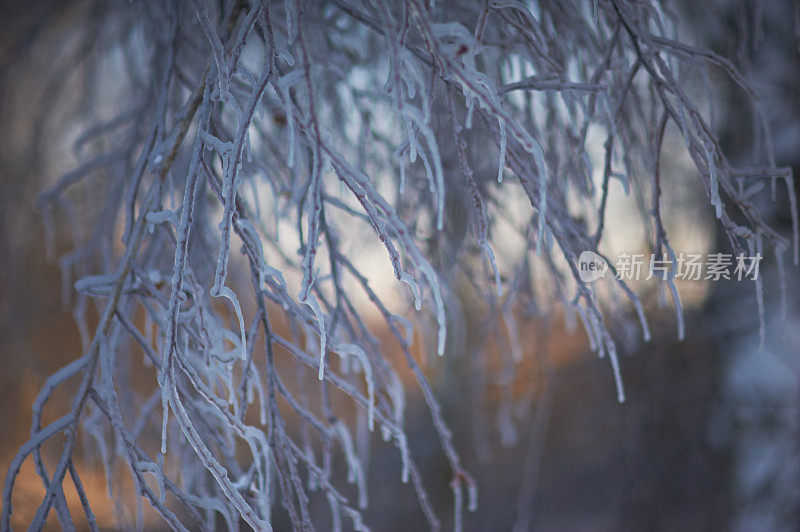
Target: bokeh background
pixel 707 440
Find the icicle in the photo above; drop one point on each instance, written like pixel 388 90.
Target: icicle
pixel 211 504
pixel 405 277
pixel 224 291
pixel 249 392
pixel 624 181
pixel 412 141
pixel 164 416
pixel 490 255
pixel 598 333
pixel 402 163
pixel 712 170
pixel 637 304
pixel 290 130
pixel 283 84
pixel 429 172
pixel 433 281
pixel 676 299
pixel 398 396
pixel 312 302
pixel 472 496
pixel 262 400
pixel 538 155
pixel 362 489
pixel 345 350
pixel 91 425
pixel 139 513
pixel 458 505
pixel 402 445
pixel 505 425
pixel 589 330
pixel 407 78
pixel 335 515
pixel 349 451
pixel 438 173
pixel 612 355
pixel 407 326
pixel 503 139
pixel 795 220
pixel 284 54
pixel 227 380
pixel 289 26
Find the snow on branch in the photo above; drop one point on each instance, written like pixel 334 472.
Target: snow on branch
pixel 270 144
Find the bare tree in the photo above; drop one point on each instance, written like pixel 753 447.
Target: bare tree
pixel 478 137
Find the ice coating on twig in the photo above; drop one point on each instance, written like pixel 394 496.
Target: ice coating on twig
pixel 263 149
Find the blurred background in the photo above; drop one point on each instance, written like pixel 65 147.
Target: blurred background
pixel 708 436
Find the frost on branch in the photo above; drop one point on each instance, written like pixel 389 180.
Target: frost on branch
pixel 257 148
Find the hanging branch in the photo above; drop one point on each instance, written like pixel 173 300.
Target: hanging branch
pixel 300 133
